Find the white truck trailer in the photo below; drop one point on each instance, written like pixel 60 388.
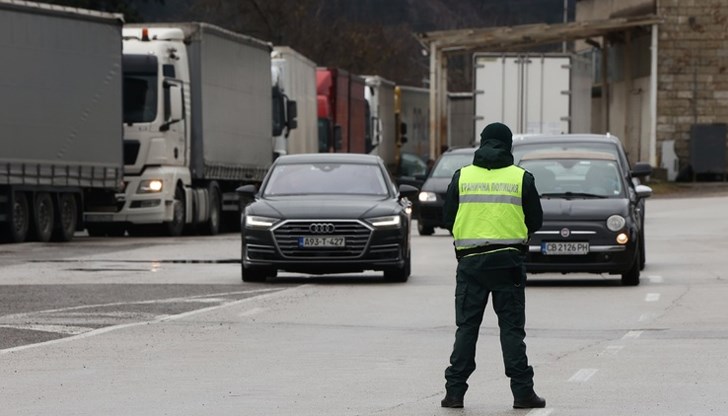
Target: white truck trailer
pixel 295 123
pixel 544 93
pixel 381 129
pixel 60 118
pixel 197 124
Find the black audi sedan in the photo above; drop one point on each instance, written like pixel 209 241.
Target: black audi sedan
pixel 326 213
pixel 591 219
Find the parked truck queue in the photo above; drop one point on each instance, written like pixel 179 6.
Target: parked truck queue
pixel 150 128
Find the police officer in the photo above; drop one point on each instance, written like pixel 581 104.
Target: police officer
pixel 491 208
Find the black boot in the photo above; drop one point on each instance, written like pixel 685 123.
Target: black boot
pixel 452 401
pixel 532 401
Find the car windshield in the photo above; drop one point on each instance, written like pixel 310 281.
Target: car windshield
pixel 449 163
pixel 326 178
pixel 575 177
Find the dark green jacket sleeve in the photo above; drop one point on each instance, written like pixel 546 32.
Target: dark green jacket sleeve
pixel 531 204
pixel 452 201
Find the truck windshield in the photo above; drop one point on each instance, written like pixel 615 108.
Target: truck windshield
pixel 140 88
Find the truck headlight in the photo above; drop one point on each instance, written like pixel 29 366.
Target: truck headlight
pixel 428 197
pixel 149 186
pixel 260 223
pixel 390 221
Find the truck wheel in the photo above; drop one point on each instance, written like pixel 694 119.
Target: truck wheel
pixel 175 227
pixel 19 219
pixel 43 216
pixel 212 226
pixel 67 217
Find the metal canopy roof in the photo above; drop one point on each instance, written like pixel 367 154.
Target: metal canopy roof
pixel 509 37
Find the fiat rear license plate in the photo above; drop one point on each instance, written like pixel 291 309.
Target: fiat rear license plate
pixel 321 242
pixel 563 248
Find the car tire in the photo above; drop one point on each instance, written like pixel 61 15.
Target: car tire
pixel 254 274
pixel 425 229
pixel 632 276
pixel 399 274
pixel 642 250
pixel 257 274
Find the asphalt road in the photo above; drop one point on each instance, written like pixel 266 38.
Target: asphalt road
pixel 155 326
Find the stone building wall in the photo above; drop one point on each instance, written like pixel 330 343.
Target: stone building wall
pixel 692 83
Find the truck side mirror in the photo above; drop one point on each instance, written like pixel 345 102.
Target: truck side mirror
pixel 292 112
pixel 172 104
pixel 403 132
pixel 641 169
pixel 279 116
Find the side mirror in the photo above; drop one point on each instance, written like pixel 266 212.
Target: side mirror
pixel 643 191
pixel 172 104
pixel 408 191
pixel 292 113
pixel 402 133
pixel 247 191
pixel 641 169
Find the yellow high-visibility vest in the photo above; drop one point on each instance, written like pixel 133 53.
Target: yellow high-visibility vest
pixel 490 210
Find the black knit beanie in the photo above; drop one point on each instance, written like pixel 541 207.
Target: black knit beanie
pixel 497 131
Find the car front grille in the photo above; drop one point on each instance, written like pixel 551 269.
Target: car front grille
pixel 357 237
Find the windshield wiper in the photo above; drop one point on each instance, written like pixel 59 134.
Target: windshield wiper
pixel 568 195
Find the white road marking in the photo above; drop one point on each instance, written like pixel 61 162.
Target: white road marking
pixel 163 318
pixel 652 297
pixel 655 279
pixel 612 350
pixel 648 316
pixel 251 312
pixel 540 412
pixel 632 335
pixel 583 375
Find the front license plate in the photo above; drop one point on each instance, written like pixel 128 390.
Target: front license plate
pixel 564 248
pixel 321 242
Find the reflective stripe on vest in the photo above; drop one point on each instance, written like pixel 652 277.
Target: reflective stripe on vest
pixel 490 209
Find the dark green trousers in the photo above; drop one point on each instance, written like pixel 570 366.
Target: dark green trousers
pixel 476 281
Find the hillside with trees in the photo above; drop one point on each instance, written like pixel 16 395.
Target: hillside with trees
pixel 362 36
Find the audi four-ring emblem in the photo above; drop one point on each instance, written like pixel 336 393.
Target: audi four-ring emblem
pixel 322 228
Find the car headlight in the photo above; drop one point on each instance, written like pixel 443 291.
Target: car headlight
pixel 390 221
pixel 260 223
pixel 615 222
pixel 149 186
pixel 428 196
